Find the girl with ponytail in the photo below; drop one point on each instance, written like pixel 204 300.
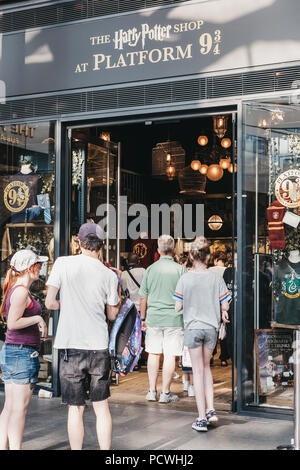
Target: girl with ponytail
pixel 19 361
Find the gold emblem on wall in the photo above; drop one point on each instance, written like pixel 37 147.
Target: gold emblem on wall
pixel 287 188
pixel 16 196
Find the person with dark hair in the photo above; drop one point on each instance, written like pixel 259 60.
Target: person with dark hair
pixel 19 357
pixel 202 294
pixel 219 261
pixel 87 288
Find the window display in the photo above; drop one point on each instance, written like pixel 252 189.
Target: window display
pixel 270 265
pixel 27 184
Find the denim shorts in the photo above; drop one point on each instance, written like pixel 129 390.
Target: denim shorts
pixel 19 364
pixel 81 371
pixel 196 338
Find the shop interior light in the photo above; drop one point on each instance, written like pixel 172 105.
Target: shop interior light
pixel 220 125
pixel 196 165
pixel 214 172
pixel 230 168
pixel 105 136
pixel 202 140
pixel 203 169
pixel 215 222
pixel 224 163
pixel 226 143
pixel 170 171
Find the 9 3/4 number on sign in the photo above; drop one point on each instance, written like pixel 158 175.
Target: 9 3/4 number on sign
pixel 209 42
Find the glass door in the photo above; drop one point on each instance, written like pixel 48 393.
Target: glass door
pixel 95 190
pixel 269 259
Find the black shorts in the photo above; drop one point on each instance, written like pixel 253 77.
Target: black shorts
pixel 82 370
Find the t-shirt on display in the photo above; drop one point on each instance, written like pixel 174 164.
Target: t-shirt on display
pixel 86 286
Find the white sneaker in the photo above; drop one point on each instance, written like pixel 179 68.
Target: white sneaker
pixel 168 397
pixel 151 395
pixel 186 386
pixel 191 391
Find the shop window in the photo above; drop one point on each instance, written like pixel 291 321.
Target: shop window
pixel 27 191
pixel 270 271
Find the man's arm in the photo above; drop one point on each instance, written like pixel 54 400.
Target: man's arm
pixel 143 307
pixel 112 311
pixel 178 305
pixel 51 303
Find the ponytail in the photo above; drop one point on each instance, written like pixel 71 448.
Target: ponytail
pixel 11 277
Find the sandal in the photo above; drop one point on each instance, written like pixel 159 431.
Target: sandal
pixel 224 363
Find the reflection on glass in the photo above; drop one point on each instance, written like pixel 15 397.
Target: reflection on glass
pixel 271 260
pixel 94 190
pixel 27 183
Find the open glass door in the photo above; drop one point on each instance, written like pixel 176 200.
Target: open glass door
pixel 95 189
pixel 269 260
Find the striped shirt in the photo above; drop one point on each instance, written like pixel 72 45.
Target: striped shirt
pixel 201 294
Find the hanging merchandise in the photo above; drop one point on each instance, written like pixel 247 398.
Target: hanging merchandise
pixel 292 219
pixel 275 214
pixel 287 292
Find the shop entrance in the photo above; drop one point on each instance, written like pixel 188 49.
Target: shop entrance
pixel 128 173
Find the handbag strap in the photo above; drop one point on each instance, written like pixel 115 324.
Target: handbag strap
pixel 132 277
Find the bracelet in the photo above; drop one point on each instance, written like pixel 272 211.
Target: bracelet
pixel 143 319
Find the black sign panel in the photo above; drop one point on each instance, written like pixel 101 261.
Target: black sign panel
pixel 204 37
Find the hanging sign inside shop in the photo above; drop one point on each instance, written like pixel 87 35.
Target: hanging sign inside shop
pixel 154 43
pixel 287 188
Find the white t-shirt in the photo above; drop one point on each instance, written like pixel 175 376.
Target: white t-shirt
pixel 128 283
pixel 85 287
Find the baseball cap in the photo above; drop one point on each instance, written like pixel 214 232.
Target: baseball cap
pixel 23 259
pixel 90 231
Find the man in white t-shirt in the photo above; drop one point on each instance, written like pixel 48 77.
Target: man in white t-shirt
pixel 88 293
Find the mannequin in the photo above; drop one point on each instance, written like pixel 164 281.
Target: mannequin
pixel 30 187
pixel 26 168
pixel 294 256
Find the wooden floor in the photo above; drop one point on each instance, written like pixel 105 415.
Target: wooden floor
pixel 133 388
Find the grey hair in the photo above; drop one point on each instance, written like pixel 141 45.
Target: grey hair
pixel 166 244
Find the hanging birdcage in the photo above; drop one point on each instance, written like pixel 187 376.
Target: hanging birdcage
pixel 191 182
pixel 165 153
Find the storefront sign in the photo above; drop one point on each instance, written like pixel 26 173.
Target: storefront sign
pixel 220 35
pixel 287 188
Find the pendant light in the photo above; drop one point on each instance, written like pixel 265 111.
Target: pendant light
pixel 224 163
pixel 203 169
pixel 195 165
pixel 226 142
pixel 220 125
pixel 214 172
pixel 202 140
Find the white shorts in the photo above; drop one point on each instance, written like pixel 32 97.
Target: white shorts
pixel 166 340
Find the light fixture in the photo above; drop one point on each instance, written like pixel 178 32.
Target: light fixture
pixel 220 125
pixel 203 169
pixel 196 165
pixel 226 143
pixel 224 163
pixel 202 140
pixel 170 171
pixel 214 172
pixel 215 222
pixel 263 124
pixel 230 168
pixel 105 136
pixel 277 115
pixel 168 157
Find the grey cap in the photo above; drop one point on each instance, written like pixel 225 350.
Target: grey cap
pixel 23 259
pixel 90 231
